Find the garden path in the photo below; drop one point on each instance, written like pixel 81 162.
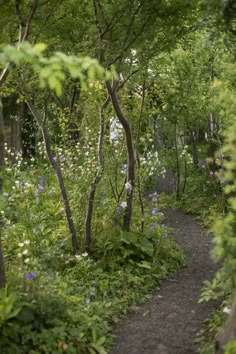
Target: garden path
pixel 169 322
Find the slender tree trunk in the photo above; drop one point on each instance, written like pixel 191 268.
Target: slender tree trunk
pixel 93 187
pixel 58 172
pixel 138 160
pixel 177 165
pixel 194 149
pixel 130 149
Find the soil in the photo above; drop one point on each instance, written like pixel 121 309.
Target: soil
pixel 169 322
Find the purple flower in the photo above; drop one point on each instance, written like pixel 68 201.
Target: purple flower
pixel 30 276
pixel 42 181
pixel 152 226
pixel 154 211
pixel 62 158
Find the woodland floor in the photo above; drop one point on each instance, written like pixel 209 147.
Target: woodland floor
pixel 169 322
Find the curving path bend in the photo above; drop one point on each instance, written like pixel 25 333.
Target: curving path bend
pixel 169 322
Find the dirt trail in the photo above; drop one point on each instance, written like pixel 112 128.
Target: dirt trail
pixel 169 321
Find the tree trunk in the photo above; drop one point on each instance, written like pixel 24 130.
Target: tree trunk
pixel 93 187
pixel 178 195
pixel 58 172
pixel 194 149
pixel 130 150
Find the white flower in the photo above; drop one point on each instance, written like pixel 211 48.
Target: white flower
pixel 226 310
pixel 78 257
pixel 25 252
pixel 21 244
pixel 123 205
pixel 19 255
pixel 27 260
pixel 85 254
pixel 128 187
pixel 27 242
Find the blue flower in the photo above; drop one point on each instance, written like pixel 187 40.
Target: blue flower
pixel 42 181
pixel 30 276
pixel 154 211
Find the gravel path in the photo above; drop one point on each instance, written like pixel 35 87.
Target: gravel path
pixel 169 321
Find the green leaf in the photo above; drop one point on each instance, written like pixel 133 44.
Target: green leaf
pixel 145 265
pixel 129 237
pixel 147 247
pixel 40 47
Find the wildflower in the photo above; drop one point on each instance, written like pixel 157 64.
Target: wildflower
pixel 5 194
pixel 21 244
pixel 154 211
pixel 25 252
pixel 78 257
pixel 26 260
pixel 94 283
pixel 226 310
pixel 123 205
pixel 124 168
pixel 154 199
pixel 19 255
pixel 91 293
pixel 41 188
pixel 27 242
pixel 50 193
pixel 85 254
pixel 36 192
pixel 30 276
pixel 22 184
pixel 128 187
